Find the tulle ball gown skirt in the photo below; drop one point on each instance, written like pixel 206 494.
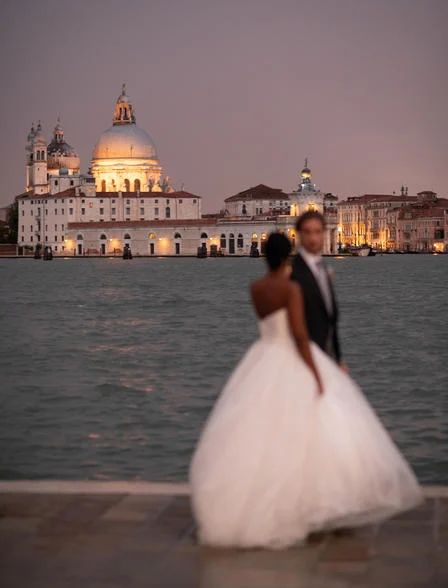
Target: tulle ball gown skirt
pixel 276 461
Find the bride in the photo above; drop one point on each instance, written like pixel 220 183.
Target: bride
pixel 291 445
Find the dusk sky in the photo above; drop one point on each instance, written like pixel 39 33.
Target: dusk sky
pixel 238 92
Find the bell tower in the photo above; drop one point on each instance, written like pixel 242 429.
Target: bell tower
pixel 36 168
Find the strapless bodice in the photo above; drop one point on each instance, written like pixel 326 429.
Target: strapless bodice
pixel 275 326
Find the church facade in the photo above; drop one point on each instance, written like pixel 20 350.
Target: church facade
pixel 127 200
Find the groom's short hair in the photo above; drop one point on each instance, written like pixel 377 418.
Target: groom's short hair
pixel 308 215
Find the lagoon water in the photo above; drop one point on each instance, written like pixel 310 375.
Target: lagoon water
pixel 109 367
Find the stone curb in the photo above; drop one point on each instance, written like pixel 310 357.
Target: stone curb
pixel 130 487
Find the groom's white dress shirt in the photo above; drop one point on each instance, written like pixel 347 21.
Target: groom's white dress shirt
pixel 314 262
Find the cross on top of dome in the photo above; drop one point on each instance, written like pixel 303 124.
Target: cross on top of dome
pixel 124 111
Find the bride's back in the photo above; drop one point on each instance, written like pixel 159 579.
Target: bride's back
pixel 270 293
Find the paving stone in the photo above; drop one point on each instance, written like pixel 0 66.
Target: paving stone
pixel 403 571
pixel 32 505
pixel 134 508
pixel 348 549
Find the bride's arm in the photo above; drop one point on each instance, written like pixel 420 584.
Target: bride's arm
pixel 296 317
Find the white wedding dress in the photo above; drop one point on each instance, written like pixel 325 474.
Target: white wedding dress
pixel 277 461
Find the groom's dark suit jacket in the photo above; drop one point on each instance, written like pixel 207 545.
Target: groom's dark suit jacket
pixel 322 325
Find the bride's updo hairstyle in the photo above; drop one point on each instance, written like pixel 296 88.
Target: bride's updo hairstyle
pixel 278 249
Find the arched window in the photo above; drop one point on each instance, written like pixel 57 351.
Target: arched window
pixel 254 238
pixel 103 237
pixel 127 236
pixel 240 243
pixel 244 209
pixel 204 236
pixel 42 155
pixel 223 242
pixel 167 212
pixel 152 236
pixel 137 185
pixel 127 185
pixel 177 236
pixel 103 185
pixel 38 156
pixel 79 237
pixel 231 244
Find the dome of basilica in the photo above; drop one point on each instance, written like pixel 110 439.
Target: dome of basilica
pixel 125 141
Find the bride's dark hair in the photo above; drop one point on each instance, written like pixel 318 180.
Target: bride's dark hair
pixel 278 249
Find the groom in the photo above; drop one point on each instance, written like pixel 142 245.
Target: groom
pixel 321 309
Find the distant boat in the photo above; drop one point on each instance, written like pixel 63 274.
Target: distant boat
pixel 362 251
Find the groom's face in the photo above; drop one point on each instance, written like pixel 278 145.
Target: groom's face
pixel 312 236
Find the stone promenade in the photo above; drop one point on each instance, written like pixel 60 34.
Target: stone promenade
pixel 141 535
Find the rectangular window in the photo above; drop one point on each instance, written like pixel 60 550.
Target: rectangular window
pixel 142 201
pixel 71 201
pixel 31 238
pixel 55 247
pixel 128 210
pixel 46 227
pixel 113 211
pixel 180 201
pixel 23 228
pixel 46 211
pixel 55 237
pixel 167 200
pixel 156 201
pixel 128 201
pixel 70 210
pixel 23 238
pixel 23 212
pixel 32 212
pixel 101 210
pixel 83 201
pixel 62 238
pixel 156 211
pixel 55 210
pixel 101 201
pixel 31 228
pixel 62 201
pixel 55 227
pixel 71 182
pixel 113 201
pixel 142 211
pixel 83 210
pixel 62 211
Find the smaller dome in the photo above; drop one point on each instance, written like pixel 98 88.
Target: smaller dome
pixel 60 153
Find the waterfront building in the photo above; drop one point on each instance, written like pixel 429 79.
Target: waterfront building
pixel 125 199
pixel 379 221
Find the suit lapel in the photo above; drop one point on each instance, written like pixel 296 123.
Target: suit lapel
pixel 313 282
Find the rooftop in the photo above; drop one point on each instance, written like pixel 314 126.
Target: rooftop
pixel 141 535
pixel 260 192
